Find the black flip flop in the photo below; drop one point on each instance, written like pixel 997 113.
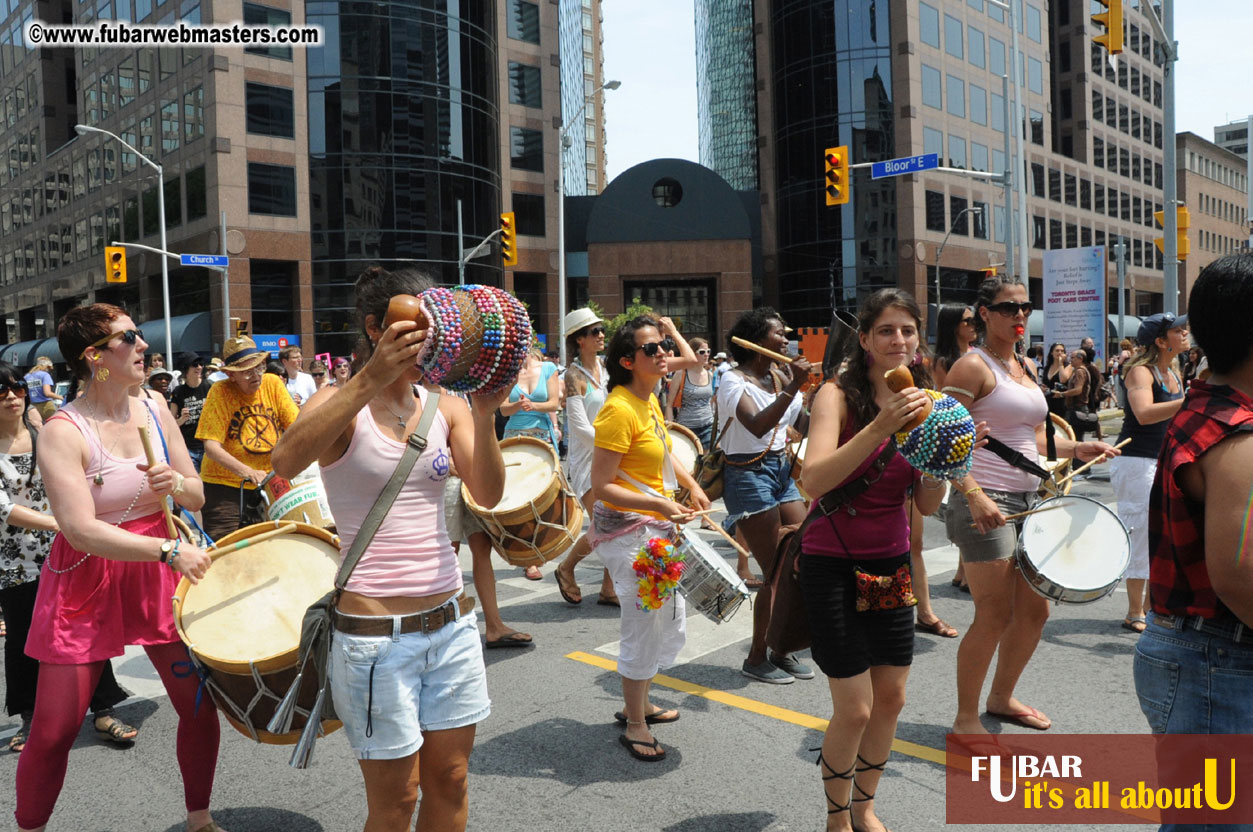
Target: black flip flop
pixel 510 640
pixel 652 719
pixel 629 745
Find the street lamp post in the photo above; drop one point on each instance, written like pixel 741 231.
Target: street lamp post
pixel 562 138
pixel 973 209
pixel 83 129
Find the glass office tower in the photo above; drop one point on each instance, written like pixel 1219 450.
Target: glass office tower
pixel 726 95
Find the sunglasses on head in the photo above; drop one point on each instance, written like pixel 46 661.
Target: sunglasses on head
pixel 1009 307
pixel 129 336
pixel 653 347
pixel 17 388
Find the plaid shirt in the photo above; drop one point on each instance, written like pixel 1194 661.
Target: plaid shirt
pixel 1179 581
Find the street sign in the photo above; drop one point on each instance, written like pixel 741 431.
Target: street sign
pixel 907 164
pixel 219 260
pixel 273 343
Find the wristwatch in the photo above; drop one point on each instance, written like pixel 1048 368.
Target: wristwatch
pixel 167 546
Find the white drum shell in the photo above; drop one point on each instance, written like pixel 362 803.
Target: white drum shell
pixel 1076 552
pixel 709 583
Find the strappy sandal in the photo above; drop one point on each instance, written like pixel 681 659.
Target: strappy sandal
pixel 117 731
pixel 865 766
pixel 835 775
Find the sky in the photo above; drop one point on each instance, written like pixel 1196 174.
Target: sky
pixel 650 47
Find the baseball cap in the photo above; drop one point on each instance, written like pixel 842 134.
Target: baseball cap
pixel 721 355
pixel 1156 326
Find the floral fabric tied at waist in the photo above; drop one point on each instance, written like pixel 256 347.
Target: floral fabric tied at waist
pixel 608 523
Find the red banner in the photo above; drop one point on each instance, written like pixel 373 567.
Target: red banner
pixel 1099 778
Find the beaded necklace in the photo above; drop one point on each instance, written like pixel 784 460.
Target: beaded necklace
pixel 143 482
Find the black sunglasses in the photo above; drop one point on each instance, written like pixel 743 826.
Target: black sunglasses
pixel 596 331
pixel 317 375
pixel 1008 307
pixel 969 320
pixel 17 388
pixel 652 347
pixel 129 336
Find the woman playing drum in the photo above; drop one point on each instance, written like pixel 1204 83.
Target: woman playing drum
pixel 426 687
pixel 865 654
pixel 999 387
pixel 108 580
pixel 634 480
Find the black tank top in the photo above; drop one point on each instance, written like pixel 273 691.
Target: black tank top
pixel 1147 440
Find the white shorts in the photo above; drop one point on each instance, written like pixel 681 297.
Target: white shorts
pixel 1132 478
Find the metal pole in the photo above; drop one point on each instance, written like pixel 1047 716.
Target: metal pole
pixel 1024 248
pixel 1170 277
pixel 1248 179
pixel 1120 257
pixel 226 284
pixel 461 249
pixel 561 246
pixel 1009 183
pixel 165 265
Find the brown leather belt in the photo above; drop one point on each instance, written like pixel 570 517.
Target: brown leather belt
pixel 415 622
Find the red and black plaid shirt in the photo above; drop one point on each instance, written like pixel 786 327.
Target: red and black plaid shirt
pixel 1179 582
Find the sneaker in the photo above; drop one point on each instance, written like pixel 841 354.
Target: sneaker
pixel 792 666
pixel 766 672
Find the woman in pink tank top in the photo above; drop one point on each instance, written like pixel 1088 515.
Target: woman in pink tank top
pixel 407 667
pixel 999 388
pixel 864 653
pixel 111 572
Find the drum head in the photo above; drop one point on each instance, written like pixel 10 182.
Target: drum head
pixel 1079 544
pixel 250 604
pixel 529 468
pixel 686 446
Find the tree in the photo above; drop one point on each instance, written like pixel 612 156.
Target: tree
pixel 636 308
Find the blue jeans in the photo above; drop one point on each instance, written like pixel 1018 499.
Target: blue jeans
pixel 1193 682
pixel 196 457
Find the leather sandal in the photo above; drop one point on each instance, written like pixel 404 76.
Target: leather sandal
pixel 836 808
pixel 117 731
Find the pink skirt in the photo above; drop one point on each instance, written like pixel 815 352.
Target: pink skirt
pixel 93 611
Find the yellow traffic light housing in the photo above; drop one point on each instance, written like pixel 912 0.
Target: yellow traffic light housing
pixel 1183 220
pixel 1111 19
pixel 115 264
pixel 508 239
pixel 836 160
pixel 990 271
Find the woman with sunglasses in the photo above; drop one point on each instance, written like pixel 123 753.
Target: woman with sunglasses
pixel 955 334
pixel 999 387
pixel 759 400
pixel 586 384
pixel 691 395
pixel 1056 378
pixel 317 369
pixel 634 479
pixel 342 372
pixel 111 572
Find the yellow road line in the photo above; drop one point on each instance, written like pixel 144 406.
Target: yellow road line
pixel 921 752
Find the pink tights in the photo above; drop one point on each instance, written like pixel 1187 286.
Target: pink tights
pixel 61 700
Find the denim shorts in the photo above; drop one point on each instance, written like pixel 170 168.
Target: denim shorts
pixel 388 691
pixel 752 489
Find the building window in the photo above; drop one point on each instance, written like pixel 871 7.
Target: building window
pixel 956 96
pixel 1034 26
pixel 193 114
pixel 524 21
pixel 978 156
pixel 1037 128
pixel 1070 184
pixel 953 40
pixel 170 130
pixel 273 296
pixel 197 205
pixel 526 149
pixel 1035 76
pixel 1085 194
pixel 929 25
pixel 996 56
pixel 998 112
pixel 270 110
pixel 978 104
pixel 1055 234
pixel 956 151
pixel 528 210
pixel 931 94
pixel 1055 184
pixel 975 44
pixel 956 207
pixel 271 189
pixel 1037 232
pixel 932 141
pixel 255 15
pixel 1037 180
pixel 979 221
pixel 667 192
pixel 934 202
pixel 524 85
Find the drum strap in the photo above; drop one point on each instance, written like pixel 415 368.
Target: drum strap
pixel 1017 458
pixel 414 447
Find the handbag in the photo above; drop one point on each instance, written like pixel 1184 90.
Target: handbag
pixel 1085 416
pixel 316 628
pixel 789 623
pixel 711 465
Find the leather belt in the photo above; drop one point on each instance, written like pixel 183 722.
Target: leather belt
pixel 1221 627
pixel 416 622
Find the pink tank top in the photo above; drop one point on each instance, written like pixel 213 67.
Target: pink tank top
pixel 121 480
pixel 1012 412
pixel 410 554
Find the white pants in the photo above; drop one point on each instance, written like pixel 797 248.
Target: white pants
pixel 650 639
pixel 1132 478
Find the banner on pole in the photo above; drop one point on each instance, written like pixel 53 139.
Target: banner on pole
pixel 1074 298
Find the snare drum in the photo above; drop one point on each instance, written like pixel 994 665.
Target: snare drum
pixel 539 517
pixel 1075 552
pixel 301 499
pixel 241 624
pixel 708 582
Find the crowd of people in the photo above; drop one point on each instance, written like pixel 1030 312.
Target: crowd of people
pixel 86 567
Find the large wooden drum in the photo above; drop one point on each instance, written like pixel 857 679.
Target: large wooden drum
pixel 687 446
pixel 241 623
pixel 539 517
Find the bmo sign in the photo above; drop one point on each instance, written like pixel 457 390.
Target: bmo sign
pixel 273 343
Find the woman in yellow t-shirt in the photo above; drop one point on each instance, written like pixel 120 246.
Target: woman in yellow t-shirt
pixel 634 481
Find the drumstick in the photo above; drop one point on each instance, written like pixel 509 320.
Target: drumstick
pixel 679 517
pixel 284 528
pixel 734 543
pixel 780 357
pixel 165 505
pixel 1024 513
pixel 1088 465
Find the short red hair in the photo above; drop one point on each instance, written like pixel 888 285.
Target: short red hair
pixel 82 327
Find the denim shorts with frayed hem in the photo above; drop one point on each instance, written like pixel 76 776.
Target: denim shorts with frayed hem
pixel 761 486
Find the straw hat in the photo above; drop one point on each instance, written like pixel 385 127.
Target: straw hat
pixel 241 353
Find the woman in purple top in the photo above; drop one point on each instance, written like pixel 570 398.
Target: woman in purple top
pixel 866 655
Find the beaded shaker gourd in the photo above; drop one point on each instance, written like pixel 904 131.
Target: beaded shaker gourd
pixel 940 441
pixel 477 338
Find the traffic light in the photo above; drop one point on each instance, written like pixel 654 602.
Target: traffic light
pixel 990 271
pixel 1111 19
pixel 836 160
pixel 115 264
pixel 508 239
pixel 1182 220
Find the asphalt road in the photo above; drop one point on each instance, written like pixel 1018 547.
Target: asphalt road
pixel 548 757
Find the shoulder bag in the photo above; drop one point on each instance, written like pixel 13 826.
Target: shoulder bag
pixel 316 629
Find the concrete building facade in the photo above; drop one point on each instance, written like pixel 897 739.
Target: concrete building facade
pixel 1212 183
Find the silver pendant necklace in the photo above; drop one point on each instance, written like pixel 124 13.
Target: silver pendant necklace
pixel 99 478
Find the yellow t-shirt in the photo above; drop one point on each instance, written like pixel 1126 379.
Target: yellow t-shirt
pixel 247 426
pixel 633 427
